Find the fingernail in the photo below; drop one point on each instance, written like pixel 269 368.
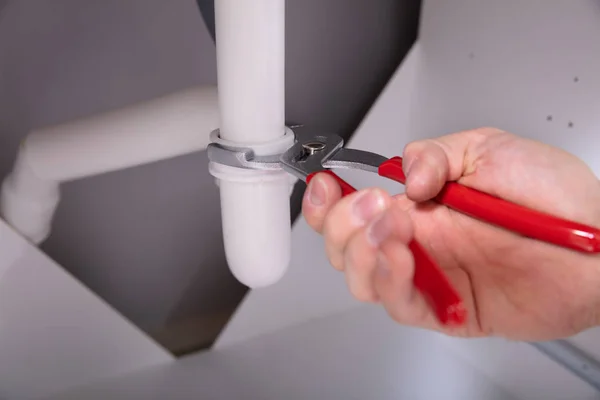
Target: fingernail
pixel 417 170
pixel 368 205
pixel 380 229
pixel 410 166
pixel 382 266
pixel 317 193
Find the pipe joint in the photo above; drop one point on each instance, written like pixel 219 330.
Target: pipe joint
pixel 255 211
pixel 265 168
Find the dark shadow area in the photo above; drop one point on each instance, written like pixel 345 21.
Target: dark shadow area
pixel 364 47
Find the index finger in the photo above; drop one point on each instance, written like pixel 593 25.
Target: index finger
pixel 321 194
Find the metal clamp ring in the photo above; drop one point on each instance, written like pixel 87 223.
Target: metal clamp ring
pixel 227 153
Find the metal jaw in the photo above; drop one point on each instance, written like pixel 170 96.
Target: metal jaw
pixel 320 153
pixel 306 156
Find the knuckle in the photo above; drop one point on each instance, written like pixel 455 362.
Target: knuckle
pixel 330 231
pixel 395 315
pixel 313 218
pixel 362 296
pixel 394 312
pixel 414 148
pixel 333 227
pixel 337 233
pixel 335 258
pixel 484 133
pixel 335 252
pixel 359 264
pixel 359 287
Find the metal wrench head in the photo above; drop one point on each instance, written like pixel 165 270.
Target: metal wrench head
pixel 308 155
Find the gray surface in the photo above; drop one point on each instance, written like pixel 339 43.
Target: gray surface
pixel 463 74
pixel 3 4
pixel 340 357
pixel 573 359
pixel 148 239
pixel 55 333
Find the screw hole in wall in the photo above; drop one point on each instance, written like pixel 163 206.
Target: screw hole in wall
pixel 576 79
pixel 570 124
pixel 549 118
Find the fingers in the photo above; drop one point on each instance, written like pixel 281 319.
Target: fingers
pixel 320 196
pixel 362 254
pixel 366 236
pixel 393 284
pixel 366 233
pixel 339 218
pixel 380 267
pixel 426 168
pixel 429 164
pixel 347 217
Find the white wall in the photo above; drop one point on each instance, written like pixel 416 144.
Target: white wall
pixel 54 332
pixel 508 64
pixel 462 74
pixel 512 64
pixel 339 357
pixel 357 354
pixel 478 72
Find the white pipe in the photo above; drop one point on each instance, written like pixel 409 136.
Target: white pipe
pixel 255 209
pixel 158 129
pixel 250 39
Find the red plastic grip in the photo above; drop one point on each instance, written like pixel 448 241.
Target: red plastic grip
pixel 428 277
pixel 431 281
pixel 511 216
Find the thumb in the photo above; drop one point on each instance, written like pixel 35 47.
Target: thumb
pixel 321 194
pixel 429 164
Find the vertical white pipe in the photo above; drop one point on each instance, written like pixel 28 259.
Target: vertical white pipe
pixel 255 208
pixel 250 38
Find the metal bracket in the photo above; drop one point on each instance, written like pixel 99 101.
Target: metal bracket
pixel 242 158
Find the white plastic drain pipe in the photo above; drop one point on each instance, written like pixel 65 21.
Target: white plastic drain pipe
pixel 158 129
pixel 250 39
pixel 255 205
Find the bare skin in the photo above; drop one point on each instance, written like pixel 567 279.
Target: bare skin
pixel 512 286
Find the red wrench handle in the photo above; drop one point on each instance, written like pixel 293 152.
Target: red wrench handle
pixel 511 216
pixel 428 277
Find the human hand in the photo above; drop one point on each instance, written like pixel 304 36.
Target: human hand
pixel 512 286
